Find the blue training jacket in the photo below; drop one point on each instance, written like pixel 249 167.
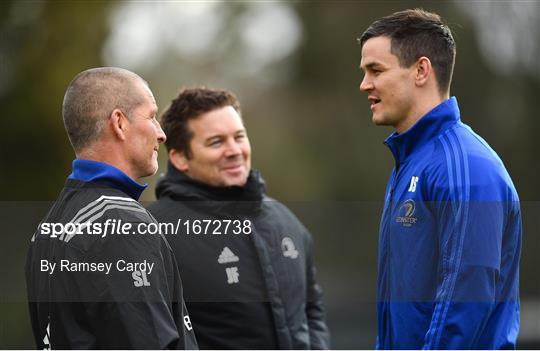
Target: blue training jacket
pixel 450 241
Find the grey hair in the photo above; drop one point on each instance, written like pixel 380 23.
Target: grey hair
pixel 90 99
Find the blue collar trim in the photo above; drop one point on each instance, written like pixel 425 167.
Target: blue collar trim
pixel 102 173
pixel 442 117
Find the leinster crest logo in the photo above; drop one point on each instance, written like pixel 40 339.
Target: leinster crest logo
pixel 406 214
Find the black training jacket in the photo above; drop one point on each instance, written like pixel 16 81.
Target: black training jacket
pixel 82 305
pixel 278 259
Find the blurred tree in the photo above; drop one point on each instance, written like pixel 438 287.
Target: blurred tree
pixel 43 45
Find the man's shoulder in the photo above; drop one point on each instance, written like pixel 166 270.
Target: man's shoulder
pixel 462 143
pixel 274 211
pixel 163 203
pixel 168 209
pixel 463 161
pixel 95 202
pixel 272 206
pixel 89 210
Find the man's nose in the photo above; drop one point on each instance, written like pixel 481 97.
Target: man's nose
pixel 161 137
pixel 233 148
pixel 366 84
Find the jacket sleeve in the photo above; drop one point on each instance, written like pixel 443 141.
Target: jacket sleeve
pixel 128 308
pixel 470 234
pixel 318 331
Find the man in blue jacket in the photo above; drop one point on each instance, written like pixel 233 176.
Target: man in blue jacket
pixel 450 233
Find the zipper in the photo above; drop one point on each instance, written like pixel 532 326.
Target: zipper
pixel 389 222
pixel 387 213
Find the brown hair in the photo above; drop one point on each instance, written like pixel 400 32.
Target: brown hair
pixel 188 105
pixel 416 33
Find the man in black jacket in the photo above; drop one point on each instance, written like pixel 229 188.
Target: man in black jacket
pixel 246 261
pixel 96 279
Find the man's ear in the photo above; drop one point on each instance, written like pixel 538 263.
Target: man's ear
pixel 179 160
pixel 119 123
pixel 423 71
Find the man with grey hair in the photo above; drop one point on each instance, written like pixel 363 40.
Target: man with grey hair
pixel 95 277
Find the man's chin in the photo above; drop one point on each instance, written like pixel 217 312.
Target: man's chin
pixel 240 180
pixel 150 171
pixel 234 178
pixel 379 121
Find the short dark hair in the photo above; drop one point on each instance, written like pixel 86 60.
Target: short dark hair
pixel 90 99
pixel 416 33
pixel 190 104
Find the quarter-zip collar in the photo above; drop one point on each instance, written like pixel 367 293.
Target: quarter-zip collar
pixel 432 124
pixel 236 200
pixel 103 173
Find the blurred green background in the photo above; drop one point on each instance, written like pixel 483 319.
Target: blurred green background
pixel 294 66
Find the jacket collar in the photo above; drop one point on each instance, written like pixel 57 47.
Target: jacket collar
pixel 442 117
pixel 177 184
pixel 234 199
pixel 103 173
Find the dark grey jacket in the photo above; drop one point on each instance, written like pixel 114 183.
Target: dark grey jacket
pixel 284 251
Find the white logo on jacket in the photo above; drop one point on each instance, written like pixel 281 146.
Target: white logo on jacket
pixel 232 275
pixel 412 187
pixel 288 248
pixel 187 323
pixel 46 339
pixel 227 256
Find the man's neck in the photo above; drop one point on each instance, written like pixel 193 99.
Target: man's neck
pixel 424 105
pixel 104 154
